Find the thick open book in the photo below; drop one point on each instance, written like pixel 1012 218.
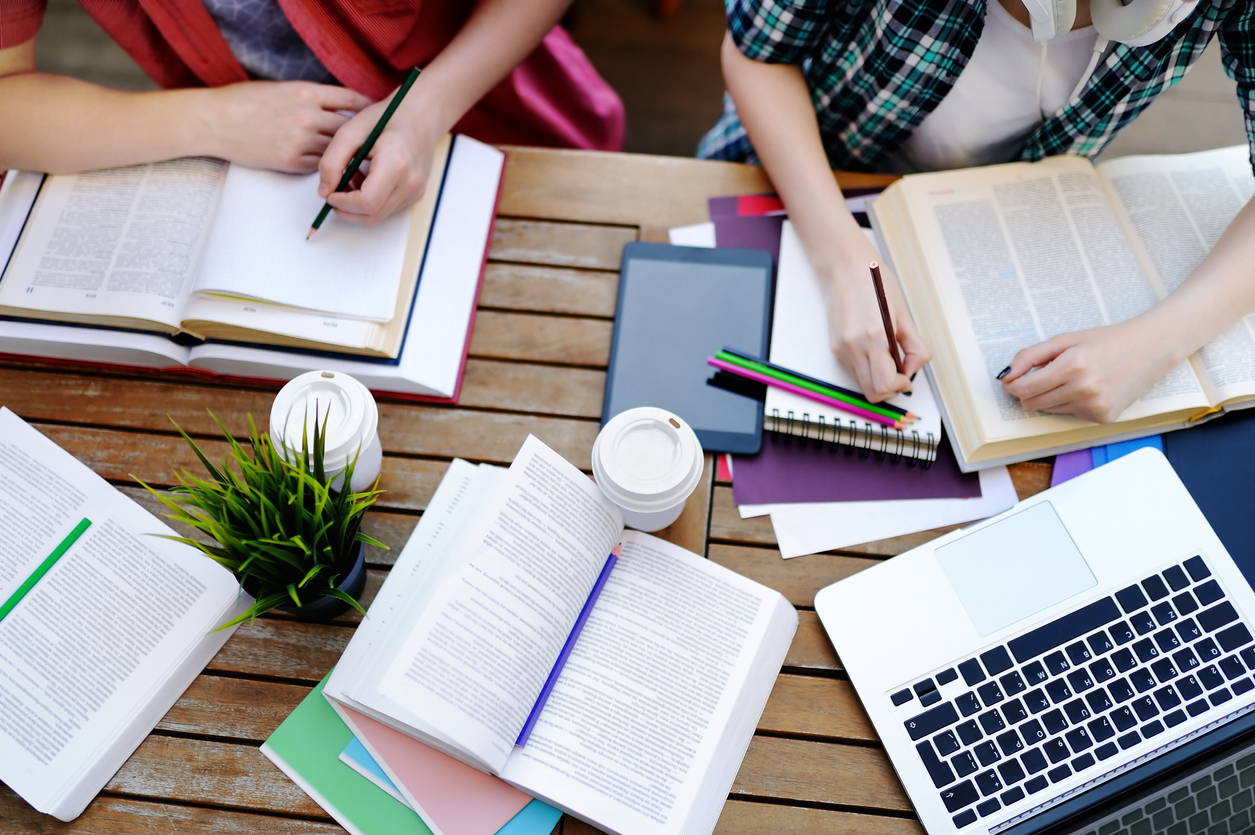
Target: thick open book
pixel 999 258
pixel 115 626
pixel 654 708
pixel 125 267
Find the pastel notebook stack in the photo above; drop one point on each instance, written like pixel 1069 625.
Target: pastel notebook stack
pixel 197 266
pixel 526 634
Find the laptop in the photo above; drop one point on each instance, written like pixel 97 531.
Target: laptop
pixel 1079 664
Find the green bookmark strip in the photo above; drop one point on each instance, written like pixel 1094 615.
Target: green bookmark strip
pixel 44 567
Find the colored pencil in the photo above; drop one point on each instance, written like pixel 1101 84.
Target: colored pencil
pixel 798 390
pixel 819 386
pixel 360 156
pixel 884 316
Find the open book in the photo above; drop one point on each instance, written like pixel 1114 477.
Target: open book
pixel 427 336
pixel 645 724
pixel 103 624
pixel 999 258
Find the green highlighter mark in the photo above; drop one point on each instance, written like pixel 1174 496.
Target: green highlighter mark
pixel 44 567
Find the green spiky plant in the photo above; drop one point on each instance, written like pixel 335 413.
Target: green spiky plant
pixel 275 525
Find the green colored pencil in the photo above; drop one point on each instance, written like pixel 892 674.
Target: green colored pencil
pixel 44 568
pixel 891 412
pixel 358 158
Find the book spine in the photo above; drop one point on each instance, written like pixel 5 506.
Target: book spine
pixel 867 438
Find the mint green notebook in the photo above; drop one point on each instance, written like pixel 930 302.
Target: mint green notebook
pixel 307 747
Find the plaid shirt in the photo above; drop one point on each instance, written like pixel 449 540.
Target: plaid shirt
pixel 876 68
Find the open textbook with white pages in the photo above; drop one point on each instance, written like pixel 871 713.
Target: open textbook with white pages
pixel 71 294
pixel 103 623
pixel 644 726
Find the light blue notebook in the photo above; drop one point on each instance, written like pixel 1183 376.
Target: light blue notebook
pixel 536 818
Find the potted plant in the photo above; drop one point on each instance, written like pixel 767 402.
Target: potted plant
pixel 293 542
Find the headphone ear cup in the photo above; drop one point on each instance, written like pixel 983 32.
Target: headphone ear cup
pixel 1050 18
pixel 1139 23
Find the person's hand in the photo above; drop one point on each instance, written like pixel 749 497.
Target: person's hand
pixel 396 169
pixel 1094 374
pixel 278 125
pixel 857 332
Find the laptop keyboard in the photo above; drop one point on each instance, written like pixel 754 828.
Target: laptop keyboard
pixel 1060 699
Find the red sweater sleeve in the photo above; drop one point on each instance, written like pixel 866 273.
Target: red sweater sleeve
pixel 20 20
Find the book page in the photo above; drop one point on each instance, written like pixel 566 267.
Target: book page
pixel 258 250
pixel 1178 206
pixel 1023 252
pixel 632 726
pixel 122 243
pixel 97 636
pixel 478 657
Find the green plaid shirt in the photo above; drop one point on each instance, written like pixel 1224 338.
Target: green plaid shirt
pixel 876 68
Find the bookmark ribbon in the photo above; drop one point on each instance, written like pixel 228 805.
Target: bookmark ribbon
pixel 44 567
pixel 566 649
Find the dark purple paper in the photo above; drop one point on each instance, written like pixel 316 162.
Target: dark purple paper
pixel 752 232
pixel 794 470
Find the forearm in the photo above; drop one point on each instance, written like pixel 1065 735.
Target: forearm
pixel 776 109
pixel 497 37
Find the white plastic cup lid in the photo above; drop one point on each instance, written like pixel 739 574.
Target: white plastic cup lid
pixel 647 459
pixel 331 397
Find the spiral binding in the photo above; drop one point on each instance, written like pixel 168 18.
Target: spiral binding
pixel 865 440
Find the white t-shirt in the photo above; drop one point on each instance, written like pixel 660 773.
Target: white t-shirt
pixel 995 103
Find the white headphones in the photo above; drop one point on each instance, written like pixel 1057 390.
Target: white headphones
pixel 1132 22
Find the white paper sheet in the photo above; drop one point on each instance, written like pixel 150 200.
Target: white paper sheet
pixel 821 526
pixel 699 235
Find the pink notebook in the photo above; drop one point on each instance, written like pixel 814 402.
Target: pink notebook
pixel 452 798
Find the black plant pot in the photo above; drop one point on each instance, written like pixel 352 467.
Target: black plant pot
pixel 324 608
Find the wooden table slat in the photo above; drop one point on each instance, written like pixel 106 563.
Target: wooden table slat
pixel 559 244
pixel 550 289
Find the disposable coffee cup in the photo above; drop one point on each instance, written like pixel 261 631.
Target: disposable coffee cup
pixel 350 416
pixel 648 462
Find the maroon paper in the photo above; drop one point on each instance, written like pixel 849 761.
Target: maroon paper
pixel 791 470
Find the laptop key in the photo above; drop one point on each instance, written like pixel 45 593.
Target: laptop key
pixel 1055 722
pixel 947 676
pixel 1186 660
pixel 1151 729
pixel 1036 784
pixel 1248 655
pixel 1198 708
pixel 1120 690
pixel 990 693
pixel 964 818
pixel 1010 743
pixel 1121 633
pixel 1142 679
pixel 1220 696
pixel 1056 750
pixel 1100 644
pixel 937 769
pixel 1176 577
pixel 1131 599
pixel 1032 732
pixel 1077 711
pixel 1210 677
pixel 1188 630
pixel 996 660
pixel 1198 569
pixel 988 807
pixel 1079 739
pixel 1035 674
pixel 964 794
pixel 1129 740
pixel 1146 651
pixel 1142 622
pixel 947 743
pixel 1064 630
pixel 1123 719
pixel 1167 640
pixel 964 764
pixel 1099 702
pixel 1056 663
pixel 1034 761
pixel 986 753
pixel 1241 686
pixel 1124 660
pixel 1217 616
pixel 1185 604
pixel 1060 773
pixel 1174 718
pixel 1058 691
pixel 1189 688
pixel 972 672
pixel 991 721
pixel 988 782
pixel 922 687
pixel 1014 712
pixel 1012 683
pixel 1167 697
pixel 1145 708
pixel 1011 772
pixel 931 721
pixel 1106 752
pixel 969 732
pixel 1208 593
pixel 1078 653
pixel 1207 650
pixel 1233 637
pixel 1156 588
pixel 1080 680
pixel 901 697
pixel 1102 670
pixel 930 698
pixel 1013 796
pixel 1232 667
pixel 1164 670
pixel 1101 730
pixel 968 704
pixel 1036 701
pixel 1082 762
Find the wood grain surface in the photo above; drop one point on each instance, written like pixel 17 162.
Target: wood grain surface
pixel 537 366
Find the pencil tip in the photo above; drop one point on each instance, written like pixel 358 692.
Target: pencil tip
pixel 312 230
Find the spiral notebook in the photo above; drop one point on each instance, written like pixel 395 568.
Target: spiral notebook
pixel 799 340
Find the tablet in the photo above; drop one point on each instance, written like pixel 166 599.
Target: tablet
pixel 677 306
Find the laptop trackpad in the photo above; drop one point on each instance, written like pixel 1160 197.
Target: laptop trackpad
pixel 1015 568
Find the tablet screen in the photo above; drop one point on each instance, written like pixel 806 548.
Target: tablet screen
pixel 677 307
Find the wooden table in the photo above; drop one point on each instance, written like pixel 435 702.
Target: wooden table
pixel 537 364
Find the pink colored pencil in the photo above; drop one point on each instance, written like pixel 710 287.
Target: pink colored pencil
pixel 819 398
